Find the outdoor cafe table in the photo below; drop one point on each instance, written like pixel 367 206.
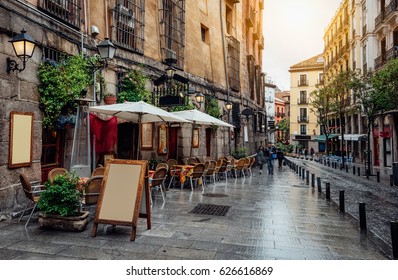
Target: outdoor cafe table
pixel 184 170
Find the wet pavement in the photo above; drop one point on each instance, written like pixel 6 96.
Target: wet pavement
pixel 276 217
pixel 381 199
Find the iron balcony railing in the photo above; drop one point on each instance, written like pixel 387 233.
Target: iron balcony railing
pixel 68 11
pixel 392 7
pixel 302 82
pixel 302 119
pixel 302 101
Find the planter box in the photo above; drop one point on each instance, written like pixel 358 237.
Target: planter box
pixel 72 223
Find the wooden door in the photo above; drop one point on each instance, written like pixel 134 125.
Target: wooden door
pixel 173 143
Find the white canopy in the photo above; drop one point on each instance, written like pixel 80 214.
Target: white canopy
pixel 353 137
pixel 137 112
pixel 199 117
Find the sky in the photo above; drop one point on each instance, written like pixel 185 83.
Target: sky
pixel 293 31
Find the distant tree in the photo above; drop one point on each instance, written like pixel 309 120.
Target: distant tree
pixel 321 106
pixel 284 126
pixel 377 92
pixel 340 99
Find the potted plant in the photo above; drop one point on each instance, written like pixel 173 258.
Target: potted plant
pixel 109 98
pixel 60 203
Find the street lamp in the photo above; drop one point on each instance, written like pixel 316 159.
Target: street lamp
pixel 24 46
pixel 199 97
pixel 228 106
pixel 106 49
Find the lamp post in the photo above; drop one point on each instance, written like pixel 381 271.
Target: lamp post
pixel 23 46
pixel 228 106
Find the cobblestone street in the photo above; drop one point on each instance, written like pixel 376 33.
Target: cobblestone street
pixel 277 217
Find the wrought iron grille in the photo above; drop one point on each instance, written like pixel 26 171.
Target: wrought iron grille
pixel 166 96
pixel 172 30
pixel 127 29
pixel 233 63
pixel 251 71
pixel 236 115
pixel 53 55
pixel 68 11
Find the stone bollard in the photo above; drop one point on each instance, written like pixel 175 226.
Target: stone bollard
pixel 327 190
pixel 318 180
pixel 308 177
pixel 378 176
pixel 341 200
pixel 362 216
pixel 394 239
pixel 313 180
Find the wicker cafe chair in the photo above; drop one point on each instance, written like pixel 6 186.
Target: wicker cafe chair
pixel 32 193
pixel 99 171
pixel 240 167
pixel 162 165
pixel 222 170
pixel 231 167
pixel 252 160
pixel 173 172
pixel 55 172
pixel 92 190
pixel 157 181
pixel 197 173
pixel 209 170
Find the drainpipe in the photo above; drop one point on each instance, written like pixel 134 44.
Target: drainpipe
pixel 225 68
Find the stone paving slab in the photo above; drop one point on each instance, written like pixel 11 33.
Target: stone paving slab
pixel 275 217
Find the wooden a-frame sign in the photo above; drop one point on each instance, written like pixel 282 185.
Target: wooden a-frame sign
pixel 124 186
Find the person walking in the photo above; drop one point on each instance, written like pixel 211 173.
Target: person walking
pixel 270 161
pixel 280 156
pixel 260 158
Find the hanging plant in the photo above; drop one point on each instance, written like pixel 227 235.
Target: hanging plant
pixel 178 108
pixel 133 87
pixel 212 107
pixel 61 84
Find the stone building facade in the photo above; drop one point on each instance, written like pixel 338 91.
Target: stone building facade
pixel 216 47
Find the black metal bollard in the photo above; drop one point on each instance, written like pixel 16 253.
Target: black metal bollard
pixel 353 170
pixel 367 174
pixel 313 180
pixel 341 200
pixel 341 166
pixel 327 190
pixel 391 180
pixel 362 216
pixel 359 171
pixel 308 177
pixel 394 239
pixel 378 176
pixel 346 168
pixel 318 179
pixel 299 171
pixel 303 174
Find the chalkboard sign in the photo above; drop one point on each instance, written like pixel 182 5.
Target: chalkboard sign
pixel 123 188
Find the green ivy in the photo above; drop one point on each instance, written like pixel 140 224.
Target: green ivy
pixel 178 108
pixel 61 196
pixel 61 84
pixel 212 107
pixel 133 87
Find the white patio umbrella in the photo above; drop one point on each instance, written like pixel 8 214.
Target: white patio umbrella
pixel 198 117
pixel 137 112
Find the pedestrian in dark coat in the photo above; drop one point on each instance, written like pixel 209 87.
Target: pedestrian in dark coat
pixel 260 158
pixel 280 156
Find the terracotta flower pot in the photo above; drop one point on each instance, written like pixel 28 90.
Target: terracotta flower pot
pixel 110 99
pixel 71 223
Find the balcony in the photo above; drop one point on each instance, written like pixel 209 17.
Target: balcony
pixel 353 34
pixel 68 11
pixel 392 7
pixel 257 32
pixel 365 68
pixel 320 81
pixel 302 83
pixel 380 61
pixel 302 101
pixel 364 28
pixel 302 119
pixel 379 20
pixel 261 3
pixel 250 16
pixel 261 42
pixel 391 53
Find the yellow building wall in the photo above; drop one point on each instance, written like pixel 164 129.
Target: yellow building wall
pixel 313 77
